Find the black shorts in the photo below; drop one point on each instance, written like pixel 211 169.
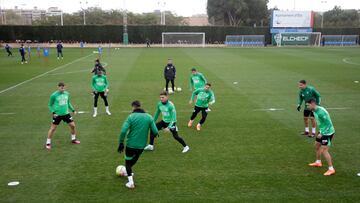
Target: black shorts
pixel 325 140
pixel 66 118
pixel 132 153
pixel 308 113
pixel 162 124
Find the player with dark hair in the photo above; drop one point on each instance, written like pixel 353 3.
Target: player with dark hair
pixel 204 97
pixel 306 93
pixel 197 80
pixel 22 54
pixel 100 86
pixel 168 122
pixel 59 48
pixel 59 105
pixel 98 67
pixel 169 75
pixel 135 129
pixel 325 136
pixel 7 49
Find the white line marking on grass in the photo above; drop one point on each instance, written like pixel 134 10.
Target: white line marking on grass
pixel 7 113
pixel 270 109
pixel 82 112
pixel 347 61
pixel 79 71
pixel 14 183
pixel 41 75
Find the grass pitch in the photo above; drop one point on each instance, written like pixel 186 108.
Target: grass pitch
pixel 245 151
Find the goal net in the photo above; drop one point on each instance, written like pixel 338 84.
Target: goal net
pixel 340 40
pixel 245 40
pixel 183 39
pixel 297 39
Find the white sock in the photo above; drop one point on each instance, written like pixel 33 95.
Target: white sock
pixel 95 109
pixel 73 137
pixel 107 108
pixel 48 141
pixel 131 180
pixel 331 168
pixel 318 161
pixel 307 129
pixel 313 130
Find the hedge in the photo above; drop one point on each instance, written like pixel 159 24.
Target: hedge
pixel 137 34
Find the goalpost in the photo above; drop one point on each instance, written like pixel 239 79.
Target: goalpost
pixel 183 39
pixel 298 39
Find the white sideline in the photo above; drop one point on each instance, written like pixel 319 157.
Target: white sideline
pixel 346 60
pixel 38 76
pixel 79 71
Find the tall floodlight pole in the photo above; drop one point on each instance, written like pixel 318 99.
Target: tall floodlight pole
pixel 125 33
pixel 61 18
pixel 84 9
pixel 322 15
pixel 294 5
pixel 162 12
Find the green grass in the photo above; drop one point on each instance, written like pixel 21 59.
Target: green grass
pixel 241 154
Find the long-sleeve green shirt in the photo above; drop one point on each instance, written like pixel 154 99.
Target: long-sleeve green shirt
pixel 168 112
pixel 136 128
pixel 197 81
pixel 99 83
pixel 203 97
pixel 309 93
pixel 59 103
pixel 323 121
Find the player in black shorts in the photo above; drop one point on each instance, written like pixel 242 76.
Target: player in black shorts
pixel 59 105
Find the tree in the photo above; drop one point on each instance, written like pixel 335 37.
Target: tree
pixel 338 17
pixel 237 12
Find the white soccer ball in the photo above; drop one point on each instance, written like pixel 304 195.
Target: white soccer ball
pixel 178 89
pixel 121 171
pixel 170 91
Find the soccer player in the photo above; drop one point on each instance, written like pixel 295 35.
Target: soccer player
pixel 29 51
pixel 306 93
pixel 59 48
pixel 170 75
pixel 100 50
pixel 59 105
pixel 22 53
pixel 100 87
pixel 98 67
pixel 197 80
pixel 147 43
pixel 204 97
pixel 7 48
pixel 168 122
pixel 38 50
pixel 135 129
pixel 325 136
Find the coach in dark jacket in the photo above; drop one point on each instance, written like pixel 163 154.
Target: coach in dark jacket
pixel 170 74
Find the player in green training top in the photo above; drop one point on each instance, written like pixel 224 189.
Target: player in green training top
pixel 324 138
pixel 100 87
pixel 135 129
pixel 306 93
pixel 204 97
pixel 168 122
pixel 197 80
pixel 59 105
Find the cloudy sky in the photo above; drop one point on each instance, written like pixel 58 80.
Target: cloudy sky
pixel 180 7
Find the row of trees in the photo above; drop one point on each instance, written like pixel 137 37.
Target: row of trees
pixel 256 12
pixel 97 16
pixel 220 12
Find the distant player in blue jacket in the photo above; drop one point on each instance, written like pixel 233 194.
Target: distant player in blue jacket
pixel 22 54
pixel 7 48
pixel 100 50
pixel 59 48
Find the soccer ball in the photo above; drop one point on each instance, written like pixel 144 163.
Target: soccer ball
pixel 170 91
pixel 121 171
pixel 178 89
